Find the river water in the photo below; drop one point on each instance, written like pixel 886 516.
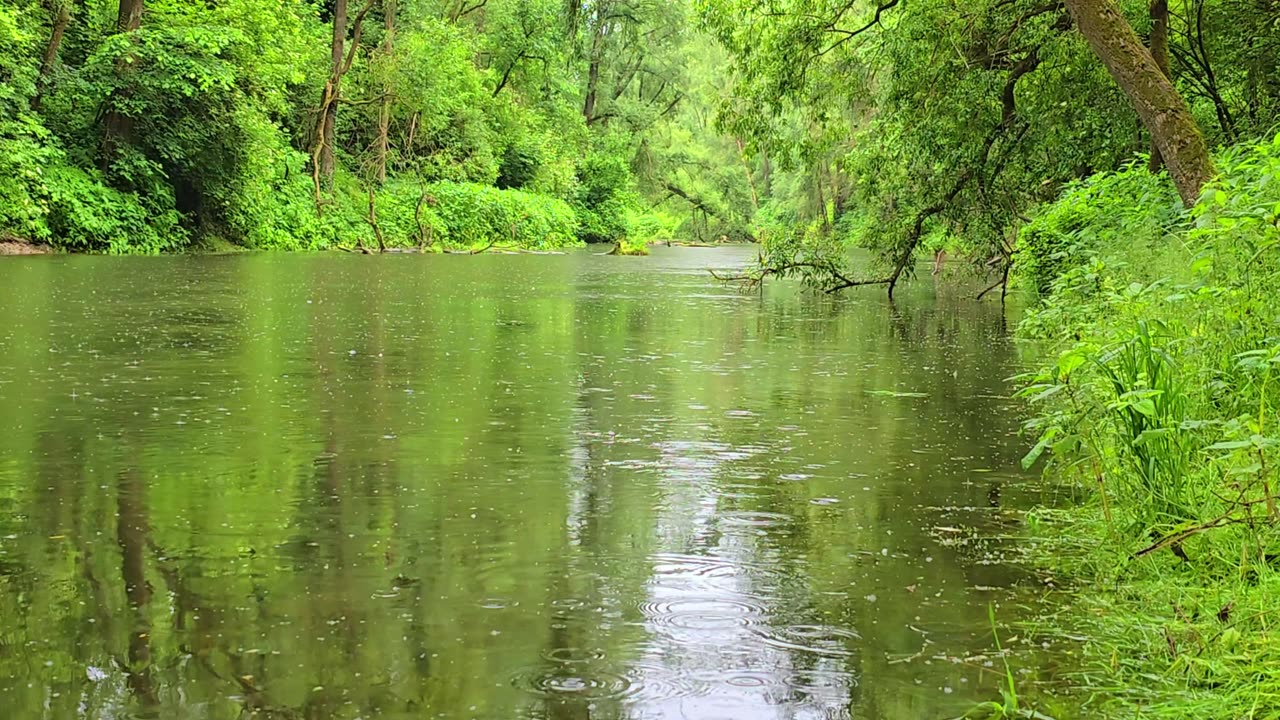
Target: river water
pixel 565 487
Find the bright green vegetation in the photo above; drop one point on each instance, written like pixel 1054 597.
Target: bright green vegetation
pixel 142 126
pixel 1162 406
pixel 1114 160
pixel 327 486
pixel 928 126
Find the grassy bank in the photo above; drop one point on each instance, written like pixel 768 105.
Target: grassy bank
pixel 1160 407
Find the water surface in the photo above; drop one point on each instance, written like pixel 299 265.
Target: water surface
pixel 292 486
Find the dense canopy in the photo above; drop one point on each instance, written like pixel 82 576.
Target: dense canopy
pixel 814 125
pixel 1115 162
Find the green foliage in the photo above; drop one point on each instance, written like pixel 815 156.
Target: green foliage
pixel 17 78
pixel 942 124
pixel 1132 203
pixel 214 108
pixel 1161 402
pixel 644 228
pixel 479 215
pixel 86 214
pixel 43 198
pixel 604 194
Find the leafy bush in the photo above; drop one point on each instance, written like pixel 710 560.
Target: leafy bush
pixel 479 215
pixel 23 157
pixel 45 199
pixel 604 195
pixel 86 214
pixel 1132 204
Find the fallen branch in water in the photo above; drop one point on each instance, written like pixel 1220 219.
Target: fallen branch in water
pixel 756 278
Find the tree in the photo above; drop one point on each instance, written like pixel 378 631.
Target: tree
pixel 117 124
pixel 61 19
pixel 1162 109
pixel 341 58
pixel 327 137
pixel 384 106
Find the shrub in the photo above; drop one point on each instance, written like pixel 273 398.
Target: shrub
pixel 604 194
pixel 1132 204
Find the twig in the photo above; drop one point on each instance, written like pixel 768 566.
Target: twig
pixel 1220 521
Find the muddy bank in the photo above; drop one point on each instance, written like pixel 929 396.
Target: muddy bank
pixel 17 247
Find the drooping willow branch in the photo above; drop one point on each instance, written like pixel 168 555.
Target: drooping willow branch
pixel 1011 126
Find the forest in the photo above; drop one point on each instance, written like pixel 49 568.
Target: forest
pixel 1105 172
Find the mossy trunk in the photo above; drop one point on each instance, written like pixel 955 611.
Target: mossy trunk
pixel 1159 44
pixel 1163 111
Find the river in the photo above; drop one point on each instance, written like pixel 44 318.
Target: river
pixel 560 487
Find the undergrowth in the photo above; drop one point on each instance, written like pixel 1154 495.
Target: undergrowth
pixel 1160 402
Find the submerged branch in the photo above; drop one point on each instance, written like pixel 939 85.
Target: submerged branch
pixel 839 281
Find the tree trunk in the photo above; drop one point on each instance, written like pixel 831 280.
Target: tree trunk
pixel 61 19
pixel 1163 111
pixel 117 127
pixel 130 17
pixel 593 83
pixel 384 114
pixel 329 124
pixel 746 169
pixel 1159 44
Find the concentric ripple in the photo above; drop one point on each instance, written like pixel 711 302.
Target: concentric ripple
pixel 824 640
pixel 573 656
pixel 565 683
pixel 704 613
pixel 577 679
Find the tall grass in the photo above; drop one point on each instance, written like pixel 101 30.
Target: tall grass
pixel 1160 403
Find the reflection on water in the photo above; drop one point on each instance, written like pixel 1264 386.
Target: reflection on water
pixel 496 487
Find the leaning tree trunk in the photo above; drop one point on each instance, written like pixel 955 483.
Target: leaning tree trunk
pixel 1162 110
pixel 61 19
pixel 1159 44
pixel 118 127
pixel 329 123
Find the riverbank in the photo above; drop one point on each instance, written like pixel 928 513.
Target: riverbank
pixel 1160 406
pixel 21 247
